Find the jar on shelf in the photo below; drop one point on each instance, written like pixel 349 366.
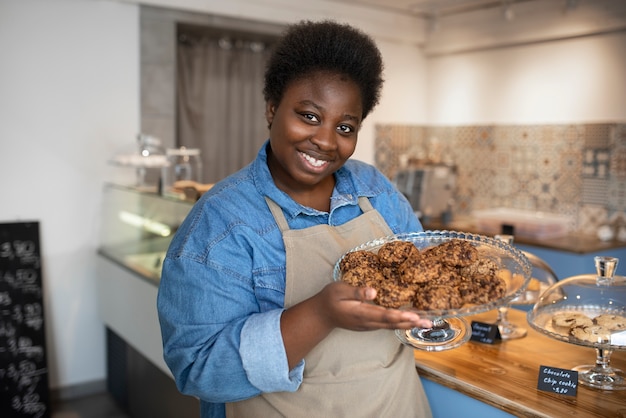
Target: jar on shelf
pixel 183 165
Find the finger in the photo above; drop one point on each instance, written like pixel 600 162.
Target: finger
pixel 364 294
pixel 406 319
pixel 370 293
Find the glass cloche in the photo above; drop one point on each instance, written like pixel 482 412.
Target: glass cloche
pixel 588 310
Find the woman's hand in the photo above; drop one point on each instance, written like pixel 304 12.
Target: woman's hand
pixel 345 306
pixel 338 305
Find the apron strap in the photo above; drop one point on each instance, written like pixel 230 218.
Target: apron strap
pixel 364 204
pixel 279 216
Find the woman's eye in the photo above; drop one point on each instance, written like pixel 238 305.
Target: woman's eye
pixel 310 117
pixel 345 129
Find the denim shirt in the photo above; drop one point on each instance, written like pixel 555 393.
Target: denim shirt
pixel 223 280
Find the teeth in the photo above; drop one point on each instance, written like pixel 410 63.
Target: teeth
pixel 314 162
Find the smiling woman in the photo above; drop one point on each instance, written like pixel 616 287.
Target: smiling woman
pixel 252 322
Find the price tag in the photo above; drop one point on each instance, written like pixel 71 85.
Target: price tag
pixel 559 381
pixel 485 333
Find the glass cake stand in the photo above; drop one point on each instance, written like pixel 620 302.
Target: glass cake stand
pixel 450 329
pixel 542 277
pixel 592 295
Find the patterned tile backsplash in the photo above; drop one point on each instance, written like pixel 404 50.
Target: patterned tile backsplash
pixel 573 170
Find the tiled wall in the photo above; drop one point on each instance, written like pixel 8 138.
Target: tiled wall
pixel 574 170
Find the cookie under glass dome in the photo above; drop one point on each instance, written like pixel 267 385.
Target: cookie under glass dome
pixel 588 310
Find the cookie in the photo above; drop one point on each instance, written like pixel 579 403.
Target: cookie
pixel 591 333
pixel 393 295
pixel 363 276
pixel 439 297
pixel 496 287
pixel 394 253
pixel 420 270
pixel 564 321
pixel 360 258
pixel 480 290
pixel 611 322
pixel 449 277
pixel 472 293
pixel 454 253
pixel 480 267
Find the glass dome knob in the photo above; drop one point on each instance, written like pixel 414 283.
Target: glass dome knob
pixel 606 267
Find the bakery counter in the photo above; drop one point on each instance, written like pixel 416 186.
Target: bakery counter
pixel 137 228
pixel 137 376
pixel 146 265
pixel 501 379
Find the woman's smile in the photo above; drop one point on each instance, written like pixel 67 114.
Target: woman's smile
pixel 314 162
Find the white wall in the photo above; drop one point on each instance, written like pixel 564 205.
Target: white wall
pixel 69 99
pixel 572 80
pixel 403 100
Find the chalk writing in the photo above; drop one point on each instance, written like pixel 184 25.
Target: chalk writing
pixel 23 369
pixel 485 333
pixel 555 380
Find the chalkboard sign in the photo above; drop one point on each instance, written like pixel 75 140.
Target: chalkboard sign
pixel 24 388
pixel 485 333
pixel 555 380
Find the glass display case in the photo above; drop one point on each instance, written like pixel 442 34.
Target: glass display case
pixel 137 227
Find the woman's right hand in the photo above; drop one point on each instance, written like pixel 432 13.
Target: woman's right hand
pixel 344 306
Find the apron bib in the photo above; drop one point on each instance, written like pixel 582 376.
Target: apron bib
pixel 349 373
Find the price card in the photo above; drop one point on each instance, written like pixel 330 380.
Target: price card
pixel 559 381
pixel 485 333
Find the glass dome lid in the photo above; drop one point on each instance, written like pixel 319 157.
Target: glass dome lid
pixel 588 310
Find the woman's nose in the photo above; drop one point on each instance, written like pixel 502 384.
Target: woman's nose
pixel 325 137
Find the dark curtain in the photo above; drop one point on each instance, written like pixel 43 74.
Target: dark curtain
pixel 220 102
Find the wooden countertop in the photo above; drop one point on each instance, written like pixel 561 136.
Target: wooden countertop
pixel 505 374
pixel 573 243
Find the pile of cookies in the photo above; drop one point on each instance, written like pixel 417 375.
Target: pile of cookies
pixel 582 327
pixel 446 276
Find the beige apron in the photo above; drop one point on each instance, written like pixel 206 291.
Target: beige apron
pixel 356 374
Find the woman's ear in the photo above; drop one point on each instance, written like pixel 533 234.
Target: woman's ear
pixel 270 110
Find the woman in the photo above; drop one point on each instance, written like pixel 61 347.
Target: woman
pixel 252 321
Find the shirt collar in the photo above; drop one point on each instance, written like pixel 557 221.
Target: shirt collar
pixel 347 190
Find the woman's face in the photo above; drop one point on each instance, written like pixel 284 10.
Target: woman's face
pixel 313 131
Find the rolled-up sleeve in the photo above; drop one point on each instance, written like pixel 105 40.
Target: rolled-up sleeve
pixel 267 368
